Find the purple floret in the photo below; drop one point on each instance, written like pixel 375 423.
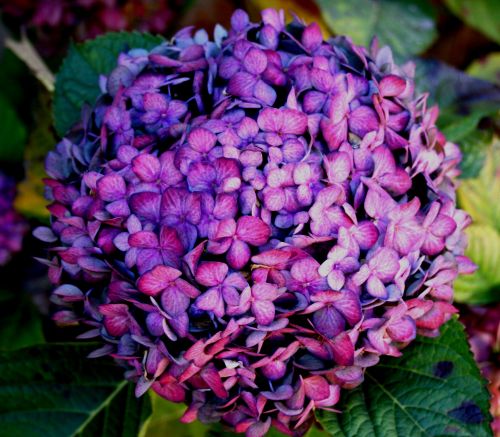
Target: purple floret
pixel 254 221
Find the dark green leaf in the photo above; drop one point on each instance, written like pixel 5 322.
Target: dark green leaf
pixel 408 27
pixel 165 421
pixel 463 100
pixel 78 79
pixel 30 199
pixel 434 389
pixel 487 68
pixel 12 132
pixel 20 322
pixel 54 390
pixel 483 15
pixel 474 147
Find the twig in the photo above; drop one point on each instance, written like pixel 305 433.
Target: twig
pixel 25 51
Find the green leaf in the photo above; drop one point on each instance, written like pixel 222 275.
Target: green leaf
pixel 78 79
pixel 54 390
pixel 434 389
pixel 483 15
pixel 408 27
pixel 487 68
pixel 12 132
pixel 482 287
pixel 474 147
pixel 480 196
pixel 165 421
pixel 20 322
pixel 462 99
pixel 30 199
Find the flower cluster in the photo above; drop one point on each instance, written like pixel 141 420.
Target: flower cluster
pixel 250 222
pixel 62 20
pixel 12 225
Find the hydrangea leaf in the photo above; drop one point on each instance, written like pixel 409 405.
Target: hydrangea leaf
pixel 30 199
pixel 434 389
pixel 483 286
pixel 21 327
pixel 479 196
pixel 78 79
pixel 474 148
pixel 463 100
pixel 12 132
pixel 53 390
pixel 165 421
pixel 487 68
pixel 483 15
pixel 407 26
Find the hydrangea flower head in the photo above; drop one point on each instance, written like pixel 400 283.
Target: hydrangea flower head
pixel 253 221
pixel 12 225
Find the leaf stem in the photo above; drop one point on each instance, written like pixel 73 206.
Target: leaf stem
pixel 25 51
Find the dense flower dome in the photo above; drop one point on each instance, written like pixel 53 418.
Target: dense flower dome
pixel 249 223
pixel 12 225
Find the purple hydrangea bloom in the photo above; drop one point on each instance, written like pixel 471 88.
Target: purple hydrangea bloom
pixel 12 225
pixel 254 221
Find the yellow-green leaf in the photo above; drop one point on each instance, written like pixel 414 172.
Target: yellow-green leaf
pixel 480 196
pixel 483 286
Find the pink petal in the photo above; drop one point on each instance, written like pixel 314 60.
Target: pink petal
pixel 111 187
pixel 146 167
pixel 211 273
pixel 211 300
pixel 255 61
pixel 143 239
pixel 263 311
pixel 392 86
pixel 253 230
pixel 238 254
pixel 156 280
pixel 146 205
pixel 343 350
pixel 376 287
pixel 202 140
pixel 174 301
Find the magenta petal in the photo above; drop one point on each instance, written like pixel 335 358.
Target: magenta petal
pixel 328 321
pixel 363 120
pixel 211 376
pixel 403 330
pixel 241 84
pixel 146 205
pixel 443 226
pixel 253 230
pixel 202 140
pixel 397 183
pixel 343 350
pixel 316 387
pixel 376 287
pixel 294 122
pixel 174 301
pixel 392 85
pixel 349 306
pixel 255 61
pixel 211 273
pixel 143 240
pixel 146 167
pixel 366 235
pixel 111 187
pixel 156 280
pixel 238 254
pixel 211 300
pixel 263 311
